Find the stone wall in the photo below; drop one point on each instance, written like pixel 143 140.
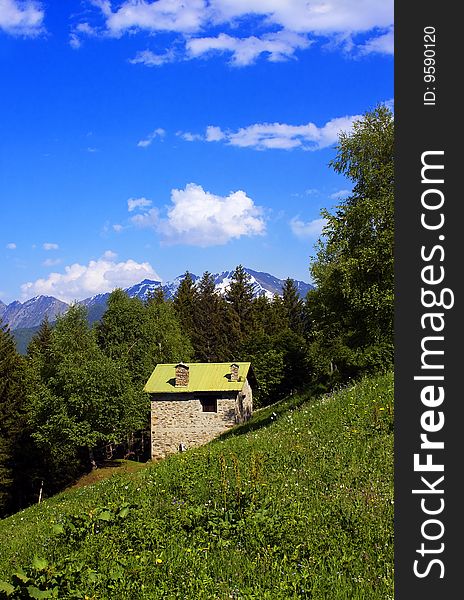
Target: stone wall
pixel 182 421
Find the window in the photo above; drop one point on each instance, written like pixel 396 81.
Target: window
pixel 208 404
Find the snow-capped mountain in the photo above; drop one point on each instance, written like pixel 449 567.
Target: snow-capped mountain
pixel 32 312
pixel 2 309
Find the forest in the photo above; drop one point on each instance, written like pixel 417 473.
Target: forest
pixel 76 398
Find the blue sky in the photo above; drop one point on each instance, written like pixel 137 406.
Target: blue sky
pixel 141 139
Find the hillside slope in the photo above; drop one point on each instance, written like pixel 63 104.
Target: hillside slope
pixel 297 503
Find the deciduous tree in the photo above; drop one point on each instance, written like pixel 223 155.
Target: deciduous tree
pixel 351 308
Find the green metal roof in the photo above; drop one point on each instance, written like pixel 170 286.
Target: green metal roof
pixel 203 377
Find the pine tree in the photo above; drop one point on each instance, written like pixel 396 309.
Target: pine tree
pixel 293 306
pixel 185 300
pixel 239 295
pixel 12 419
pixel 157 296
pixel 40 349
pixel 210 339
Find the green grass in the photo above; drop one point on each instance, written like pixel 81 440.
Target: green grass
pixel 297 506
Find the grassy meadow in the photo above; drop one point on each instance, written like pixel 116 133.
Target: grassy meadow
pixel 297 503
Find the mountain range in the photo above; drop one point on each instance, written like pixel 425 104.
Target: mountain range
pixel 30 314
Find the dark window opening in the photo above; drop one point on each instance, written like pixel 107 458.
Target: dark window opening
pixel 209 404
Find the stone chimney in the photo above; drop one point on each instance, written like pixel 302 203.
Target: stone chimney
pixel 182 375
pixel 234 372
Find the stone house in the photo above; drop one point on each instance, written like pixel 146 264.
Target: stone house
pixel 195 402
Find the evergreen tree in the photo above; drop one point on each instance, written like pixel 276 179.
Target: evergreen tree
pixel 11 415
pixel 210 340
pixel 40 349
pixel 185 300
pixel 293 306
pixel 157 296
pixel 239 295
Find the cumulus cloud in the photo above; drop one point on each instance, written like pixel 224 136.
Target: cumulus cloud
pixel 264 136
pixel 98 276
pixel 277 46
pixel 50 246
pixel 150 137
pixel 310 230
pixel 21 18
pixel 136 203
pixel 199 218
pixel 214 134
pixel 11 246
pixel 149 219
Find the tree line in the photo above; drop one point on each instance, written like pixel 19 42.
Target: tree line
pixel 76 397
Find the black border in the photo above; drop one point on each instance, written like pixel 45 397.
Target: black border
pixel 420 128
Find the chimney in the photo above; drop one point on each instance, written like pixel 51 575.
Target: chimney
pixel 234 372
pixel 182 375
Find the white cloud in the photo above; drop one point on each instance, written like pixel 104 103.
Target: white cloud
pixel 263 136
pixel 214 134
pixel 310 230
pixel 285 26
pixel 150 59
pixel 312 16
pixel 51 262
pixel 381 44
pixel 136 203
pixel 21 18
pixel 150 137
pixel 117 227
pixel 304 16
pixel 50 246
pixel 74 41
pixel 339 195
pixel 11 246
pixel 109 254
pixel 190 137
pixel 390 104
pixel 278 46
pixel 98 276
pixel 199 218
pixel 149 219
pixel 162 15
pixel 81 29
